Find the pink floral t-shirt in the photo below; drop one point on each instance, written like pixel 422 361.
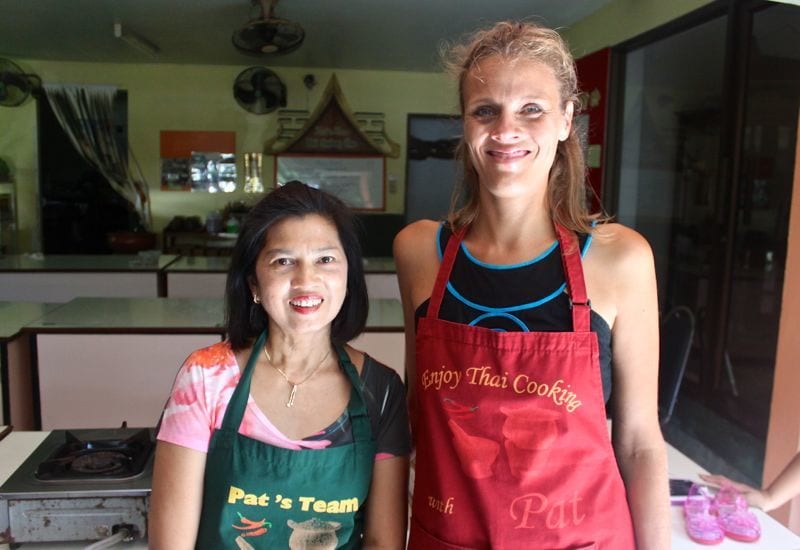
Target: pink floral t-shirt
pixel 206 381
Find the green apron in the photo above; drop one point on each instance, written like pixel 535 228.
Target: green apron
pixel 256 495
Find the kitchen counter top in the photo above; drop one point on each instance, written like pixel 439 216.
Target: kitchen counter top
pixel 15 315
pixel 199 264
pixel 220 264
pixel 379 265
pixel 83 262
pixel 113 315
pixel 385 315
pixel 169 315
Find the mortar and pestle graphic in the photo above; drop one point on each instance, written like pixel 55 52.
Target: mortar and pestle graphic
pixel 313 534
pixel 529 433
pixel 477 454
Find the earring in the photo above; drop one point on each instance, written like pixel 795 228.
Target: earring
pixel 256 299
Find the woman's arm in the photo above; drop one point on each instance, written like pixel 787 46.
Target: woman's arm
pixel 387 506
pixel 177 497
pixel 417 263
pixel 785 487
pixel 638 443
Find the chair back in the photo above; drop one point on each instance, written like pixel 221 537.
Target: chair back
pixel 677 331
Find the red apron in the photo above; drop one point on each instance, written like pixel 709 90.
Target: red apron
pixel 512 444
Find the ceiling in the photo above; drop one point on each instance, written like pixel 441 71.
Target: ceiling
pixel 399 35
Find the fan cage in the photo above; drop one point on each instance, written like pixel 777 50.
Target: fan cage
pixel 269 36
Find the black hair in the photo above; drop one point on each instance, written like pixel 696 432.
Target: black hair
pixel 245 320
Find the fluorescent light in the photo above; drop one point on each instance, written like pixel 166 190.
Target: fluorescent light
pixel 135 41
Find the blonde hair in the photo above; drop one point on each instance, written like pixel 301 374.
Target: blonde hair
pixel 512 41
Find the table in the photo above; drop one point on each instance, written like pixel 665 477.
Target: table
pixel 102 361
pixel 60 278
pixel 205 277
pixel 16 377
pixel 197 277
pixel 774 536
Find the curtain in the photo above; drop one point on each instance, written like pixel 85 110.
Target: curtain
pixel 86 115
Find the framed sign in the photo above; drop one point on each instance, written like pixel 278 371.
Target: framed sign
pixel 198 161
pixel 356 179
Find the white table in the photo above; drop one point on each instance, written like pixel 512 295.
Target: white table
pixel 774 536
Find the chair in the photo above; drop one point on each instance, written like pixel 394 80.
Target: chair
pixel 677 331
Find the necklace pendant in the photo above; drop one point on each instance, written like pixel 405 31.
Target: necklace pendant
pixel 290 402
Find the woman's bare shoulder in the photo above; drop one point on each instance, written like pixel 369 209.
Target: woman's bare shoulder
pixel 415 241
pixel 619 248
pixel 411 234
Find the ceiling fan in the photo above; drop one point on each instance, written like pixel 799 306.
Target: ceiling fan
pixel 267 34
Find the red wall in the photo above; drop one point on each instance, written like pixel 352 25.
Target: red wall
pixel 593 82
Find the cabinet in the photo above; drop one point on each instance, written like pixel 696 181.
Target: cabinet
pixel 8 218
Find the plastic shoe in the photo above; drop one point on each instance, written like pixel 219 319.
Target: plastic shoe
pixel 701 524
pixel 734 515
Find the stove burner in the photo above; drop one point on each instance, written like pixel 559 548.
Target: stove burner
pixel 97 459
pixel 100 462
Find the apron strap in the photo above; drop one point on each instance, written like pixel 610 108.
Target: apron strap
pixel 234 412
pixel 356 406
pixel 573 272
pixel 448 259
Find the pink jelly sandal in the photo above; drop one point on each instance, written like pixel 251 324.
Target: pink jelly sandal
pixel 701 525
pixel 734 515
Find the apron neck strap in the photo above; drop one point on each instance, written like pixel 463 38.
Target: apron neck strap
pixel 356 406
pixel 448 259
pixel 573 272
pixel 234 412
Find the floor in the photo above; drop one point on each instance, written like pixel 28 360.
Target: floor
pixel 715 443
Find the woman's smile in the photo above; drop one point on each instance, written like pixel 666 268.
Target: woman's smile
pixel 510 156
pixel 301 275
pixel 306 304
pixel 513 121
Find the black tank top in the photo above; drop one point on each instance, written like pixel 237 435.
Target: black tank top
pixel 528 296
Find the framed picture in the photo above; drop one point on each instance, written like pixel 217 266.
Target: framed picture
pixel 198 161
pixel 359 180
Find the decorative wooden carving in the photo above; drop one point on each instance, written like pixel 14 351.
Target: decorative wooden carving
pixel 331 129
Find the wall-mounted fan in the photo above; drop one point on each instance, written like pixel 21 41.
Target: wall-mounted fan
pixel 15 85
pixel 259 90
pixel 268 34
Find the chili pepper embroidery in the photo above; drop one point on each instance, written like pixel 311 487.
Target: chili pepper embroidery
pixel 251 528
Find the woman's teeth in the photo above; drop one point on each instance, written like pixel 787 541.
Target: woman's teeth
pixel 306 302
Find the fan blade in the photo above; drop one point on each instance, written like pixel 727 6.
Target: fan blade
pixel 244 96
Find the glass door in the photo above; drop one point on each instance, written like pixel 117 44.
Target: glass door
pixel 670 188
pixel 705 157
pixel 760 217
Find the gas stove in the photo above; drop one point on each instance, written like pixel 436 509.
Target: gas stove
pixel 80 485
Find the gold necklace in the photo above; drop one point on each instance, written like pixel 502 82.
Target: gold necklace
pixel 294 385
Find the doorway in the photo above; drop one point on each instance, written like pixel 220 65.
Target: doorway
pixel 78 205
pixel 704 159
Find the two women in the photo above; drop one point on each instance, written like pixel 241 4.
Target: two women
pixel 520 313
pixel 523 314
pixel 283 435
